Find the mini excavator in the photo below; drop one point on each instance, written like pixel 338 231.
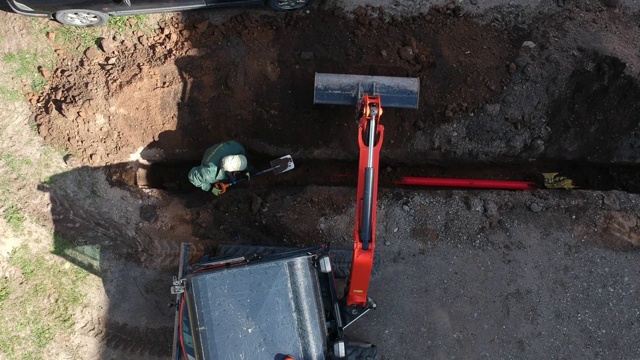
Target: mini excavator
pixel 257 303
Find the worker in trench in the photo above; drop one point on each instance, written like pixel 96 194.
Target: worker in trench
pixel 221 163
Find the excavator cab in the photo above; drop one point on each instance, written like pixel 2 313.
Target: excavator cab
pixel 259 306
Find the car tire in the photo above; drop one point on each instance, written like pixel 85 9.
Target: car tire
pixel 81 18
pixel 289 5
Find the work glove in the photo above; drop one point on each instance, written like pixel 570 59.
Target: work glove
pixel 219 188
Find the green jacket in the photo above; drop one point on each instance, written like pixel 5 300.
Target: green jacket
pixel 209 172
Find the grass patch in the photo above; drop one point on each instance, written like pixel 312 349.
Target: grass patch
pixel 25 67
pixel 123 24
pixel 57 152
pixel 14 163
pixel 74 38
pixel 61 244
pixel 4 289
pixel 26 62
pixel 39 307
pixel 9 94
pixel 13 216
pixel 7 344
pixel 22 259
pixel 77 252
pixel 38 83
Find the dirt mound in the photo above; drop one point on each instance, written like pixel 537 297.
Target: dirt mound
pixel 251 78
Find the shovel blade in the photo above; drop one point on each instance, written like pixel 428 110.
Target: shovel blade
pixel 282 164
pixel 344 89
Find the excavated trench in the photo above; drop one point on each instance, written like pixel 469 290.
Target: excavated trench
pixel 172 175
pixel 488 104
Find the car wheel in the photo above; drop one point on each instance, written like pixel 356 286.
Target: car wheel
pixel 83 18
pixel 287 5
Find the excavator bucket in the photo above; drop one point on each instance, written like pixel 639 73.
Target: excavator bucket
pixel 344 89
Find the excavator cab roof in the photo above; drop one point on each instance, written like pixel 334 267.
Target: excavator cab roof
pixel 257 309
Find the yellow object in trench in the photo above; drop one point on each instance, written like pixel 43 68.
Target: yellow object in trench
pixel 553 181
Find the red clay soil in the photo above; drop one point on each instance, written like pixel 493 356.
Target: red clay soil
pixel 251 79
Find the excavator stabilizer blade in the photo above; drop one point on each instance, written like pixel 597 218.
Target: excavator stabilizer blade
pixel 341 89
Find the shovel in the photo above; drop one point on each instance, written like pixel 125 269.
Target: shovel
pixel 278 166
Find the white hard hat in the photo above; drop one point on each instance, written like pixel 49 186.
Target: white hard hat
pixel 233 163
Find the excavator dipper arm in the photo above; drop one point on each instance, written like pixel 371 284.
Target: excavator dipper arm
pixel 370 136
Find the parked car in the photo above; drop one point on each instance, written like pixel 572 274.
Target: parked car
pixel 87 13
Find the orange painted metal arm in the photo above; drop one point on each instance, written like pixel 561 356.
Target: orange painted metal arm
pixel 363 251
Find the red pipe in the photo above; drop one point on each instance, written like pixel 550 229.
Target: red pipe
pixel 467 183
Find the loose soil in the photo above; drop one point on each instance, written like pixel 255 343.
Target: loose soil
pixel 251 79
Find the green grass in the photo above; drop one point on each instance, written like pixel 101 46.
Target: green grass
pixel 7 344
pixel 12 168
pixel 25 67
pixel 119 23
pixel 9 94
pixel 38 83
pixel 42 333
pixel 20 260
pixel 78 252
pixel 4 289
pixel 13 216
pixel 56 152
pixel 42 292
pixel 13 162
pixel 75 39
pixel 61 244
pixel 26 62
pixel 39 307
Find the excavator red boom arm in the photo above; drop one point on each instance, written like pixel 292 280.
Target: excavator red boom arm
pixel 367 197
